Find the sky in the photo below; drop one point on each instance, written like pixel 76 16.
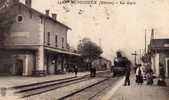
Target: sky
pixel 117 27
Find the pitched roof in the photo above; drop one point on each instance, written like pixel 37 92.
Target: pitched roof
pixel 159 44
pixel 42 14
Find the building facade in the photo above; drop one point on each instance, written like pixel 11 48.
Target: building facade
pixel 102 64
pixel 34 43
pixel 159 52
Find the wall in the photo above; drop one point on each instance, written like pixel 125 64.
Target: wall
pixel 157 63
pixel 30 65
pixel 164 56
pixel 55 29
pixel 101 64
pixel 27 32
pixel 153 66
pixel 8 62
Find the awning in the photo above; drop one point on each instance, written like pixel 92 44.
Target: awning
pixel 61 51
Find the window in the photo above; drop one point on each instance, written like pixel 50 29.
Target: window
pixel 56 40
pixel 19 18
pixel 41 19
pixel 62 42
pixel 48 38
pixel 30 13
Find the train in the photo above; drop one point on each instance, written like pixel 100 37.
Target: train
pixel 120 64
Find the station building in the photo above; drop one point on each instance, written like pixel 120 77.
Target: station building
pixel 159 53
pixel 102 64
pixel 32 43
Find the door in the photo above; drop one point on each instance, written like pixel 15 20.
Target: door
pixel 56 65
pixel 167 68
pixel 19 67
pixel 62 64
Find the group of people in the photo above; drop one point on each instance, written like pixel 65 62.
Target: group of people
pixel 92 71
pixel 140 75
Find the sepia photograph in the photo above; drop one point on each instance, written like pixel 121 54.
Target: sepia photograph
pixel 84 50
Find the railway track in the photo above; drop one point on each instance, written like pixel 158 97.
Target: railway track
pixel 46 86
pixel 93 92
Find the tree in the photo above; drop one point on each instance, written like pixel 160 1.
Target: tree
pixel 89 50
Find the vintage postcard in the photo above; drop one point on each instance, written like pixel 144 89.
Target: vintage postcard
pixel 84 49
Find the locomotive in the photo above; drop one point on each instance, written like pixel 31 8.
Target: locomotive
pixel 120 64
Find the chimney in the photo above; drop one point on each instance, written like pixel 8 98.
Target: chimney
pixel 54 16
pixel 28 3
pixel 47 12
pixel 152 33
pixel 12 1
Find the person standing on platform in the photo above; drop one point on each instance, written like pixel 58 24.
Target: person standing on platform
pixel 161 81
pixel 75 70
pixel 139 75
pixel 149 76
pixel 127 74
pixel 92 71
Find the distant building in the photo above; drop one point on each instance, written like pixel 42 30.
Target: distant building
pixel 159 52
pixel 102 64
pixel 35 43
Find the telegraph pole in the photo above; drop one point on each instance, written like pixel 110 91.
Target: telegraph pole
pixel 135 57
pixel 140 56
pixel 145 41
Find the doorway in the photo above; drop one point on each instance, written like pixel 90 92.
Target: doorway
pixel 167 67
pixel 19 67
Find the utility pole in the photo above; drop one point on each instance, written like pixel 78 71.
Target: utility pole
pixel 152 36
pixel 140 55
pixel 145 41
pixel 135 57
